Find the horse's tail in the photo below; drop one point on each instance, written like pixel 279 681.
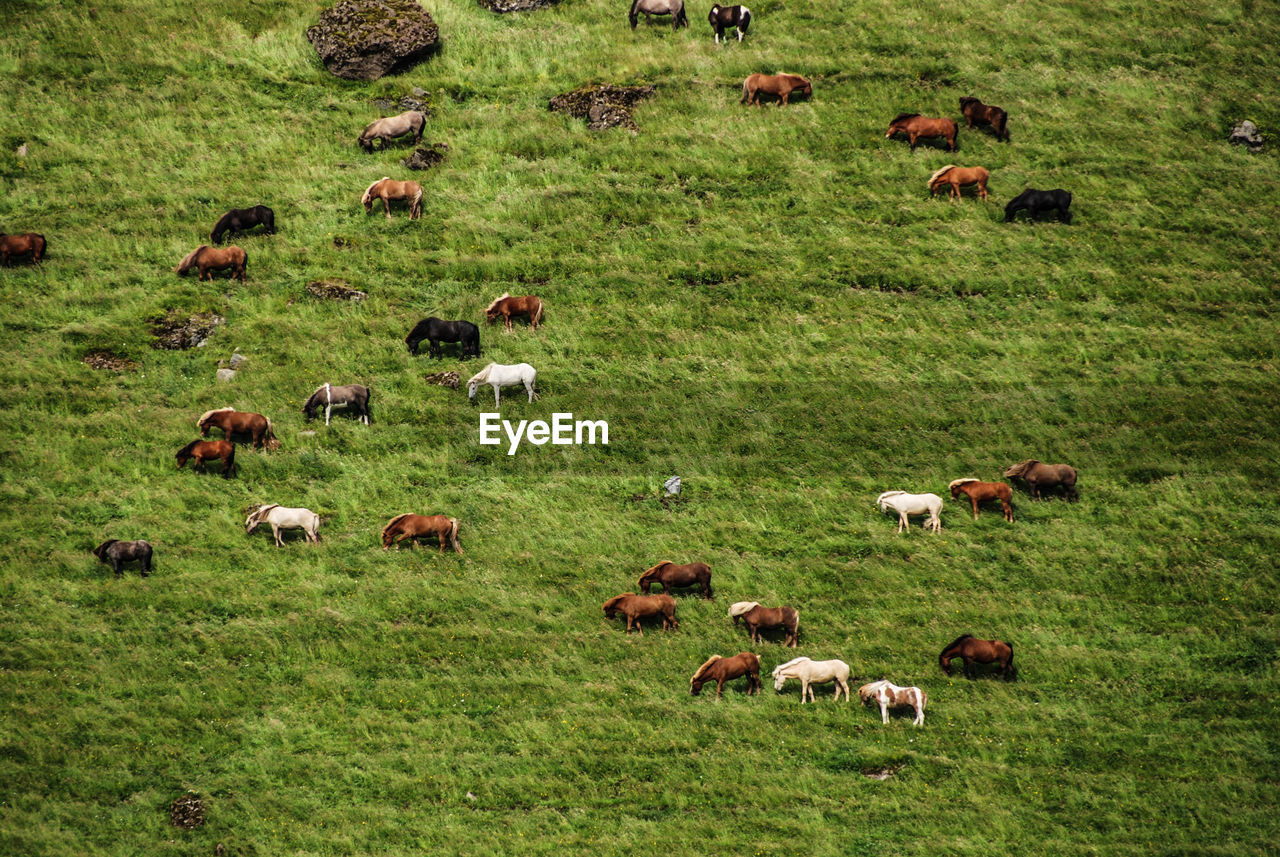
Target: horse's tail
pixel 746 20
pixel 537 314
pixel 746 89
pixel 453 534
pixel 416 204
pixel 271 429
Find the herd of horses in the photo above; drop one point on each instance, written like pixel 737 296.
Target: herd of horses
pixel 1038 477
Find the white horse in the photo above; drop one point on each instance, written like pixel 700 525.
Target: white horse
pixel 889 695
pixel 284 518
pixel 499 375
pixel 912 504
pixel 813 672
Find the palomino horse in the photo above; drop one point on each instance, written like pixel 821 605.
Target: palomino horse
pixel 284 518
pixel 720 669
pixel 636 607
pixel 758 618
pixel 209 259
pixel 674 8
pixel 409 122
pixel 977 113
pixel 811 672
pixel 19 245
pixel 118 553
pixel 1041 476
pixel 352 397
pixel 436 330
pixel 722 18
pixel 781 85
pixel 498 375
pixel 507 306
pixel 667 574
pixel 208 450
pixel 905 504
pixel 916 126
pixel 237 220
pixel 386 190
pixel 959 177
pixel 889 695
pixel 259 428
pixel 972 650
pixel 1035 202
pixel 979 491
pixel 412 527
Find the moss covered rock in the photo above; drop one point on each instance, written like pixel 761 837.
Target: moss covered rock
pixel 366 39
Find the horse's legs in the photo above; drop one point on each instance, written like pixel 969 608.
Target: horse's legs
pixel 884 711
pixel 804 690
pixel 528 386
pixel 386 203
pixel 974 501
pixel 1008 510
pixel 720 687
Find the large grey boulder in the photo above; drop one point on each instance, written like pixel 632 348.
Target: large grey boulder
pixel 1246 134
pixel 365 39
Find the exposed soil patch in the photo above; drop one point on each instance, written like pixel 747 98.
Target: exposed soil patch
pixel 109 360
pixel 187 812
pixel 445 379
pixel 603 105
pixel 425 158
pixel 334 290
pixel 504 6
pixel 885 772
pixel 176 331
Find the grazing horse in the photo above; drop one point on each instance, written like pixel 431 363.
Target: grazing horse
pixel 18 245
pixel 238 220
pixel 889 695
pixel 208 450
pixel 977 113
pixel 905 504
pixel 1041 476
pixel 259 428
pixel 916 126
pixel 409 122
pixel 811 672
pixel 209 259
pixel 978 491
pixel 722 18
pixel 498 375
pixel 959 177
pixel 972 650
pixel 386 190
pixel 1035 202
pixel 507 306
pixel 412 527
pixel 720 670
pixel 436 330
pixel 636 607
pixel 118 553
pixel 353 397
pixel 674 8
pixel 758 618
pixel 667 574
pixel 781 85
pixel 284 518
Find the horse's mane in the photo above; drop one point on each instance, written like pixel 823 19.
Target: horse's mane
pixel 392 522
pixel 208 414
pixel 256 516
pixel 617 598
pixel 957 641
pixel 740 607
pixel 186 450
pixel 780 667
pixel 656 567
pixel 505 295
pixel 189 259
pixel 933 178
pixel 1021 467
pixel 964 481
pixel 483 375
pixel 108 543
pixel 711 660
pixel 902 116
pixel 364 200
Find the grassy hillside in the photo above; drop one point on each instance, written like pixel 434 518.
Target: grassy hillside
pixel 764 301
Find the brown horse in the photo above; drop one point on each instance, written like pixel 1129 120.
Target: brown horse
pixel 411 527
pixel 977 113
pixel 231 421
pixel 209 259
pixel 979 491
pixel 668 574
pixel 386 190
pixel 637 607
pixel 208 450
pixel 781 85
pixel 19 245
pixel 720 670
pixel 758 618
pixel 972 650
pixel 507 306
pixel 1040 476
pixel 916 126
pixel 959 177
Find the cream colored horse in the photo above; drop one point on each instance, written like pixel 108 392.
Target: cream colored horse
pixel 811 672
pixel 889 695
pixel 498 375
pixel 912 504
pixel 284 518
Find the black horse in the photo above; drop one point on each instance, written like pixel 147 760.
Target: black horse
pixel 118 553
pixel 237 220
pixel 437 330
pixel 1035 202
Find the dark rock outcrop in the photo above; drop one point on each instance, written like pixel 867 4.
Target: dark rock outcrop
pixel 504 6
pixel 426 158
pixel 365 39
pixel 1246 134
pixel 604 105
pixel 176 331
pixel 334 289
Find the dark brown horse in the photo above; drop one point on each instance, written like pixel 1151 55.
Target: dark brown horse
pixel 637 607
pixel 978 492
pixel 118 553
pixel 411 527
pixel 208 450
pixel 20 245
pixel 209 259
pixel 781 85
pixel 668 574
pixel 759 618
pixel 916 127
pixel 1041 476
pixel 720 670
pixel 386 190
pixel 977 113
pixel 507 306
pixel 259 428
pixel 972 650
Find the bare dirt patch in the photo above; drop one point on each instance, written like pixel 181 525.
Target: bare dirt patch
pixel 176 331
pixel 107 359
pixel 604 105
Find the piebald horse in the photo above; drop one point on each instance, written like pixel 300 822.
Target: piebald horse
pixel 674 8
pixel 386 190
pixel 889 695
pixel 722 18
pixel 811 672
pixel 354 397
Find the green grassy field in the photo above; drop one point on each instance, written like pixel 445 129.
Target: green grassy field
pixel 764 301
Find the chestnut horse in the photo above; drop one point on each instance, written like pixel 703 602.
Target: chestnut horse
pixel 507 306
pixel 637 607
pixel 209 259
pixel 667 574
pixel 386 190
pixel 916 126
pixel 977 113
pixel 259 428
pixel 411 527
pixel 208 450
pixel 758 618
pixel 959 177
pixel 18 245
pixel 973 650
pixel 1040 476
pixel 720 670
pixel 781 85
pixel 979 491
